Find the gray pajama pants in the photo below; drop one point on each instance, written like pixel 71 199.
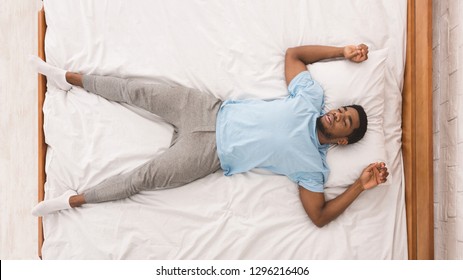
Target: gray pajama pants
pixel 193 151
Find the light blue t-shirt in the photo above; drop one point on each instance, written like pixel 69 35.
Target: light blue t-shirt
pixel 277 135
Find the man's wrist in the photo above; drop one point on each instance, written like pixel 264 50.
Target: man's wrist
pixel 341 52
pixel 359 186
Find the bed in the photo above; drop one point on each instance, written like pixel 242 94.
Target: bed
pixel 233 50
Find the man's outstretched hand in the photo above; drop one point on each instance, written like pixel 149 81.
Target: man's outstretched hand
pixel 356 53
pixel 375 174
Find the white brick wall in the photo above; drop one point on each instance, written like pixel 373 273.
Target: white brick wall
pixel 448 128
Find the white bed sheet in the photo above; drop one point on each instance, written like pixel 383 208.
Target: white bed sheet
pixel 232 49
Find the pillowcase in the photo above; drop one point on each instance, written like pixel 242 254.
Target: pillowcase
pixel 347 83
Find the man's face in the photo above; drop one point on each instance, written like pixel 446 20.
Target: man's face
pixel 339 123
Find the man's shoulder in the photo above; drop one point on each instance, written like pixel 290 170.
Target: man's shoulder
pixel 304 85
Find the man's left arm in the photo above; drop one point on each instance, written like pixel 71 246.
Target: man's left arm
pixel 297 58
pixel 322 212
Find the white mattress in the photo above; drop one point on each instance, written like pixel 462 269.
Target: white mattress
pixel 232 49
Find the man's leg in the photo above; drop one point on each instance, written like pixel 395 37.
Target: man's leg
pixel 168 102
pixel 194 156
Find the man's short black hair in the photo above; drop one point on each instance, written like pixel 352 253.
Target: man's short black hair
pixel 359 132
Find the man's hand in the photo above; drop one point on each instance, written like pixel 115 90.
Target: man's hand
pixel 356 53
pixel 373 175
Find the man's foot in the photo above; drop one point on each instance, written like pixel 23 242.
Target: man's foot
pixel 53 205
pixel 54 74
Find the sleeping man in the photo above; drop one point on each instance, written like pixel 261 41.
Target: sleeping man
pixel 288 136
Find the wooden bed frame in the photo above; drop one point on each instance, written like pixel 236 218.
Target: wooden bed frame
pixel 416 123
pixel 417 144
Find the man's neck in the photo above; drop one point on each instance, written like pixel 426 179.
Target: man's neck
pixel 321 138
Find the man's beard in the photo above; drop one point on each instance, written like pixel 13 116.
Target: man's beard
pixel 320 127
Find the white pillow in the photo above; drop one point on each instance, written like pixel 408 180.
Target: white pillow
pixel 347 83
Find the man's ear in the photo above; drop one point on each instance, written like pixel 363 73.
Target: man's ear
pixel 343 141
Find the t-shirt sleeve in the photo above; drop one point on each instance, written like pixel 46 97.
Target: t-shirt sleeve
pixel 304 84
pixel 311 181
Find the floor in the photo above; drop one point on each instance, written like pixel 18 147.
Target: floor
pixel 18 130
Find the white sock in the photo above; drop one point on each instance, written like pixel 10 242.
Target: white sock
pixel 53 205
pixel 54 74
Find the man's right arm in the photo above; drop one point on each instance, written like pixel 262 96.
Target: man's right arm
pixel 297 58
